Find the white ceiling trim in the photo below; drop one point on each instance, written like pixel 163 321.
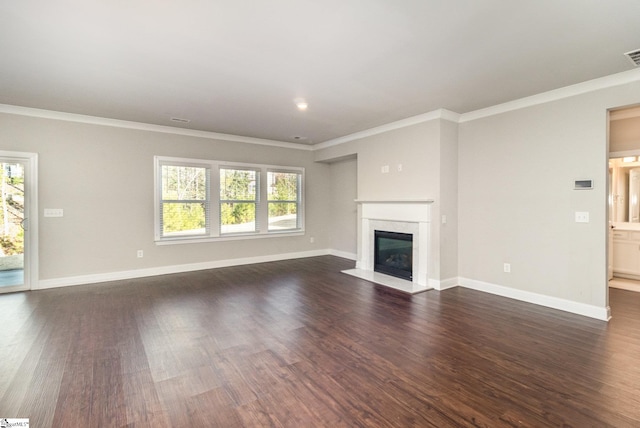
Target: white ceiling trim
pixel 403 123
pixel 117 123
pixel 554 95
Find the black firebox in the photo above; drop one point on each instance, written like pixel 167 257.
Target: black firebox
pixel 393 254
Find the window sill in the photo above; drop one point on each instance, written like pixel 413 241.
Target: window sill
pixel 238 237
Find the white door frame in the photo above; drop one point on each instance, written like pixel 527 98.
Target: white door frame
pixel 31 215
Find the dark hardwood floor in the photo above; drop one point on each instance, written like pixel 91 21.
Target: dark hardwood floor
pixel 297 343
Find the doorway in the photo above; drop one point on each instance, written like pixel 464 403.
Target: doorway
pixel 624 198
pixel 624 223
pixel 18 224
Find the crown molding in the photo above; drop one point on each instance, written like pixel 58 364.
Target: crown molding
pixel 554 95
pixel 449 115
pixel 117 123
pixel 544 97
pixel 403 123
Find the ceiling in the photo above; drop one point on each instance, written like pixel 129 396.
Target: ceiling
pixel 236 67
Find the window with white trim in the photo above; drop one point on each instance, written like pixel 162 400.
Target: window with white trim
pixel 210 200
pixel 238 200
pixel 184 204
pixel 283 196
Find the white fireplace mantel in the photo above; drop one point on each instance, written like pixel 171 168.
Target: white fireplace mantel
pixel 404 216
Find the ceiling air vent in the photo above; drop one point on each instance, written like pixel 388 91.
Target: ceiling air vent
pixel 634 56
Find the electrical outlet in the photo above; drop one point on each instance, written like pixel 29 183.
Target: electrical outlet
pixel 312 240
pixel 140 254
pixel 507 267
pixel 582 217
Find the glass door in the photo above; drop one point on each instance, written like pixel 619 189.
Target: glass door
pixel 13 225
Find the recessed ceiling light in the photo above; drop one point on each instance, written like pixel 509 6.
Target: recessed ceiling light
pixel 301 104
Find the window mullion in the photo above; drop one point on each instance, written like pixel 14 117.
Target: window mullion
pixel 214 205
pixel 262 207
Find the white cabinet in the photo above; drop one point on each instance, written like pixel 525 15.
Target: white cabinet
pixel 634 191
pixel 626 253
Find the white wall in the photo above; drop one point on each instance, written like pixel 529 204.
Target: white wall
pixel 103 179
pixel 517 202
pixel 448 194
pixel 343 208
pixel 416 148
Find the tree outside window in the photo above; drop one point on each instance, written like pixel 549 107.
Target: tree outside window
pixel 238 200
pixel 185 200
pixel 11 209
pixel 198 199
pixel 284 197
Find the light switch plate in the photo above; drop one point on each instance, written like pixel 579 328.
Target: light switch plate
pixel 53 212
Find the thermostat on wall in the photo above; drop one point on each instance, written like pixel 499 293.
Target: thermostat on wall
pixel 583 184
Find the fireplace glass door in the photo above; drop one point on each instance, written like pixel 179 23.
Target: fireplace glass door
pixel 393 254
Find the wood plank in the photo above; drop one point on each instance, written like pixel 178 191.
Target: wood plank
pixel 297 343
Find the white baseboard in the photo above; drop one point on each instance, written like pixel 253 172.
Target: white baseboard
pixel 344 255
pixel 525 296
pixel 624 284
pixel 164 270
pixel 591 311
pixel 444 284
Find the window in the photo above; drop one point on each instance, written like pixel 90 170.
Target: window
pixel 210 200
pixel 284 198
pixel 238 200
pixel 185 201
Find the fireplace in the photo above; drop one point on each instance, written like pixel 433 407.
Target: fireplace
pixel 393 254
pixel 410 217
